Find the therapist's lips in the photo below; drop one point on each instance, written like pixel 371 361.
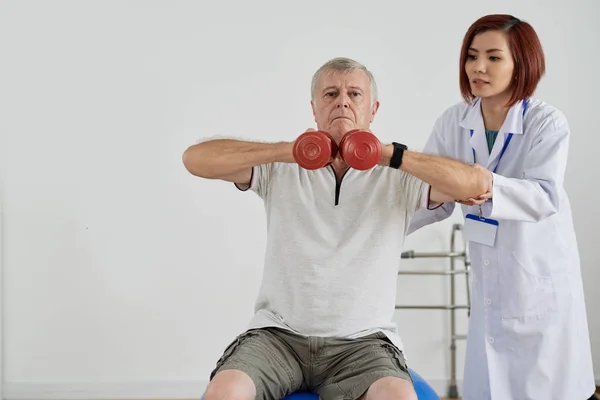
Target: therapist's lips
pixel 479 83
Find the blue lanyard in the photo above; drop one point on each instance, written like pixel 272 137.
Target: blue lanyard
pixel 510 135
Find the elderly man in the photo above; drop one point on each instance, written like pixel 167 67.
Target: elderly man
pixel 324 316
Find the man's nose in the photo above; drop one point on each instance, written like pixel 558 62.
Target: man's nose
pixel 343 101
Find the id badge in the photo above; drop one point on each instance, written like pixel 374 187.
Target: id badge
pixel 480 230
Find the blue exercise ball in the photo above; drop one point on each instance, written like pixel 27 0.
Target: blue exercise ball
pixel 424 391
pixel 302 396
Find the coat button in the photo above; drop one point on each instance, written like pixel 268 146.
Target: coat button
pixel 486 262
pixel 491 340
pixel 488 301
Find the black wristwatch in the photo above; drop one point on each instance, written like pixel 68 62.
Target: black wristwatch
pixel 396 159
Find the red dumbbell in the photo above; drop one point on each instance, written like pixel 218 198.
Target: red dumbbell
pixel 360 149
pixel 315 149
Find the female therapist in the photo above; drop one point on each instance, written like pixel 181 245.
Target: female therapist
pixel 528 333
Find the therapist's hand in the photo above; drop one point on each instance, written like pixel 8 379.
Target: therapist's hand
pixel 484 197
pixel 476 201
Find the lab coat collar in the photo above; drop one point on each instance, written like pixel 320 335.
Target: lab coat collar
pixel 513 123
pixel 473 121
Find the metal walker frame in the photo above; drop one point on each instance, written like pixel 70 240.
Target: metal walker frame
pixel 453 254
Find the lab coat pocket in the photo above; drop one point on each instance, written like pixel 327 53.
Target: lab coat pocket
pixel 527 289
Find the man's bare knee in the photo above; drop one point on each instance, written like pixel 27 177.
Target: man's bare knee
pixel 390 388
pixel 230 385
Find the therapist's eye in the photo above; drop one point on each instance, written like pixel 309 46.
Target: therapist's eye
pixel 494 58
pixel 471 57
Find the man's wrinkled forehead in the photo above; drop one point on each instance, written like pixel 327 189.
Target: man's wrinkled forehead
pixel 356 80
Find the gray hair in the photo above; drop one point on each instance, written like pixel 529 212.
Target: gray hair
pixel 341 64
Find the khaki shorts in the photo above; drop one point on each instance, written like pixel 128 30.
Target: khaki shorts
pixel 281 362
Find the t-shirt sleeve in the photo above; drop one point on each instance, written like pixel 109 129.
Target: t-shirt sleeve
pixel 415 192
pixel 259 180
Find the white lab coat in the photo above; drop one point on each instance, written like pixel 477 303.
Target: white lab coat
pixel 528 333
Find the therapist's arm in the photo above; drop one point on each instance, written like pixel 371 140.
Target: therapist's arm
pixel 449 179
pixel 538 194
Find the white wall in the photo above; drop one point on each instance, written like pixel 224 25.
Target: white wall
pixel 124 276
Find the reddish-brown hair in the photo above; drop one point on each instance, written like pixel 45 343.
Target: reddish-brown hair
pixel 526 50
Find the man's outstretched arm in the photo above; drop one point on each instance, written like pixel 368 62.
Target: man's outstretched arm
pixel 232 160
pixel 450 179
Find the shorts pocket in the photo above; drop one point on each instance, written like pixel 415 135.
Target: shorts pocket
pixel 527 289
pixel 395 354
pixel 231 347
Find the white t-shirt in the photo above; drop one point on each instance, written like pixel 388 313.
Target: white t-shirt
pixel 333 248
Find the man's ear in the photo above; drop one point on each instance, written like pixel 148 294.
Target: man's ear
pixel 312 105
pixel 374 110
